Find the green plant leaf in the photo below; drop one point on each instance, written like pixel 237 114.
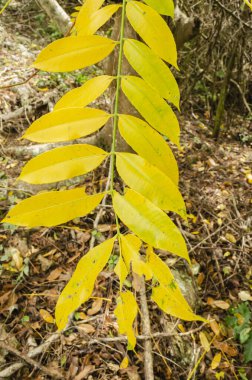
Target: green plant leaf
pixel 149 144
pixel 152 107
pixel 62 163
pixel 248 350
pixel 149 223
pixel 152 69
pixel 82 96
pixel 73 53
pixel 92 22
pixel 130 250
pixel 164 7
pixel 153 30
pixel 126 312
pixel 81 285
pixel 66 124
pixel 52 208
pixel 151 182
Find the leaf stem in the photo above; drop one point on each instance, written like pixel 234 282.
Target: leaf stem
pixel 116 107
pixel 117 96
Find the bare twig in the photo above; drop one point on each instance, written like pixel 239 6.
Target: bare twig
pixel 146 326
pixel 9 371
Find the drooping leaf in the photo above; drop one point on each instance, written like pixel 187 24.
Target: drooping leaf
pixel 148 222
pixel 152 69
pixel 62 163
pixel 121 271
pixel 52 208
pixel 152 28
pixel 66 124
pixel 152 107
pixel 126 312
pixel 151 182
pixel 88 8
pixel 81 285
pixel 130 251
pixel 87 93
pixel 73 53
pixel 164 7
pixel 149 144
pixel 167 295
pixel 165 299
pixel 92 22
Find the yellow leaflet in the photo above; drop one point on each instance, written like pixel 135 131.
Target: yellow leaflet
pixel 66 124
pixel 167 300
pixel 164 7
pixel 121 271
pixel 149 144
pixel 150 223
pixel 87 9
pixel 165 277
pixel 72 53
pixel 92 22
pixel 151 182
pixel 130 251
pixel 82 96
pixel 249 3
pixel 62 163
pixel 80 287
pixel 152 107
pixel 126 312
pixel 153 30
pixel 168 295
pixel 52 208
pixel 152 69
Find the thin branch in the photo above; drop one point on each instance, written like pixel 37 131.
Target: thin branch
pixel 146 326
pixel 233 14
pixel 9 371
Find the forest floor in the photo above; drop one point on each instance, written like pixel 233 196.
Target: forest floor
pixel 216 182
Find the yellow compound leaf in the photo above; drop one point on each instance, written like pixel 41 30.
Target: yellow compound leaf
pixel 121 271
pixel 130 250
pixel 152 69
pixel 164 7
pixel 153 30
pixel 66 124
pixel 149 144
pixel 90 23
pixel 168 295
pixel 149 223
pixel 47 317
pixel 62 163
pixel 216 361
pixel 73 53
pixel 52 208
pixel 87 93
pixel 88 8
pixel 81 285
pixel 150 182
pixel 152 107
pixel 126 312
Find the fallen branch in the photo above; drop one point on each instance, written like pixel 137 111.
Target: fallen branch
pixel 9 371
pixel 50 372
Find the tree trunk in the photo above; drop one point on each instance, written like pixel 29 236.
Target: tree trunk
pixel 57 14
